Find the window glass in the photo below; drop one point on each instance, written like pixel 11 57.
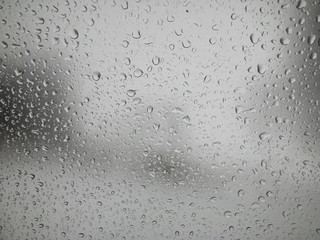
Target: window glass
pixel 159 119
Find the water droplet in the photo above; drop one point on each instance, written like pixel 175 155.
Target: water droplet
pixel 240 192
pixel 227 214
pixel 239 109
pixel 74 34
pixel 311 39
pixel 4 44
pixel 292 80
pixel 269 194
pixel 207 79
pixel 131 92
pixel 18 72
pixel 264 136
pixel 149 109
pixel 284 41
pixel 262 68
pixel 313 56
pixel 213 199
pixel 138 73
pixel 301 4
pixel 96 76
pixel 81 235
pixel 212 41
pixel 253 38
pixel 156 60
pixel 234 16
pixel 239 90
pixel 40 21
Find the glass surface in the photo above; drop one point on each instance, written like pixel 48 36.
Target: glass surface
pixel 159 119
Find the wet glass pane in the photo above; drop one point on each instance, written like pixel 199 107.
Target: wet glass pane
pixel 160 119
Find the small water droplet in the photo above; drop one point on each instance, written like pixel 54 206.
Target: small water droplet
pixel 262 68
pixel 131 92
pixel 74 34
pixel 149 109
pixel 311 39
pixel 253 38
pixel 292 80
pixel 156 60
pixel 18 72
pixel 81 235
pixel 212 41
pixel 227 214
pixel 255 205
pixel 138 73
pixel 264 136
pixel 239 90
pixel 207 79
pixel 284 41
pixel 239 109
pixel 313 56
pixel 269 194
pixel 301 4
pixel 4 44
pixel 96 76
pixel 240 192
